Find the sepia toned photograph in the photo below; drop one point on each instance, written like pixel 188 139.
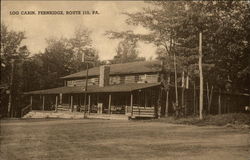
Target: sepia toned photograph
pixel 117 80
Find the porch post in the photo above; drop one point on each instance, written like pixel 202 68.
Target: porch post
pixel 80 100
pixel 97 98
pixel 110 98
pixel 131 103
pixel 43 102
pixel 89 104
pixel 60 98
pixel 71 103
pixel 31 101
pixel 56 104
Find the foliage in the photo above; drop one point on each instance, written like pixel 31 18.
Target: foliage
pixel 127 47
pixel 61 57
pixel 174 26
pixel 237 120
pixel 11 48
pixel 13 55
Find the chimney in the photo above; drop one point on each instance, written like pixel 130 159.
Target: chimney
pixel 104 76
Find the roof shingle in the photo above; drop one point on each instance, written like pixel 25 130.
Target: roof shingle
pixel 118 69
pixel 96 89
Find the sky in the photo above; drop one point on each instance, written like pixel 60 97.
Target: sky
pixel 38 28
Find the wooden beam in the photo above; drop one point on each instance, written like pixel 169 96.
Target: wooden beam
pixel 97 98
pixel 80 100
pixel 43 102
pixel 200 76
pixel 60 101
pixel 110 98
pixel 89 103
pixel 71 103
pixel 31 102
pixel 56 104
pixel 167 106
pixel 131 103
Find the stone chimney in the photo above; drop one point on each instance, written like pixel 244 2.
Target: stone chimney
pixel 104 76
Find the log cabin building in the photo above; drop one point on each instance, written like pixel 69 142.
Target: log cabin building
pixel 134 89
pixel 111 89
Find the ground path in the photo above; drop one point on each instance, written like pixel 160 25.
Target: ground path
pixel 114 139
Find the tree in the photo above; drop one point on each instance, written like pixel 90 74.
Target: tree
pixel 174 27
pixel 229 43
pixel 61 57
pixel 164 21
pixel 127 47
pixel 11 48
pixel 13 54
pixel 80 44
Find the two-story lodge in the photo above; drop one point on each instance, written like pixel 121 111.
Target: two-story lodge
pixel 133 88
pixel 111 89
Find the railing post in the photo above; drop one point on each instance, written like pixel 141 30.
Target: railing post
pixel 109 109
pixel 71 103
pixel 43 102
pixel 60 98
pixel 131 103
pixel 89 103
pixel 31 102
pixel 56 104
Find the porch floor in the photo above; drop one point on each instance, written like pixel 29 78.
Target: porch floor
pixel 72 115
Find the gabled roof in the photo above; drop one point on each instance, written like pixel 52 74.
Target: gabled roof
pixel 124 68
pixel 96 89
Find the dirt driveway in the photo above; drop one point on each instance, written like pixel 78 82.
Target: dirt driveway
pixel 113 139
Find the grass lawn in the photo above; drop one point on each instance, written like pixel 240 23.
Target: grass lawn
pixel 113 139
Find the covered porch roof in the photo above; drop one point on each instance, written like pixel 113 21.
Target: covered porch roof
pixel 95 89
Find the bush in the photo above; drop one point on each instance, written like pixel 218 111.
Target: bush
pixel 218 120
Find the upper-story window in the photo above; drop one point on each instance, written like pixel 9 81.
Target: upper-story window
pixel 152 78
pixel 114 80
pixel 129 79
pixel 122 79
pixel 79 82
pixel 137 78
pixel 142 78
pixel 94 81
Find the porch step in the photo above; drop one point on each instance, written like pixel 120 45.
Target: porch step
pixel 53 114
pixel 72 115
pixel 108 116
pixel 63 109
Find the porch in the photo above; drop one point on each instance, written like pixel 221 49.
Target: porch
pixel 132 100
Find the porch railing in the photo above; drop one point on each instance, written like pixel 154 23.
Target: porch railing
pixel 26 109
pixel 138 111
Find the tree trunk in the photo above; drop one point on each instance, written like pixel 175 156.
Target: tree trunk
pixel 183 107
pixel 175 82
pixel 201 76
pixel 194 99
pixel 208 99
pixel 219 102
pixel 167 97
pixel 11 88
